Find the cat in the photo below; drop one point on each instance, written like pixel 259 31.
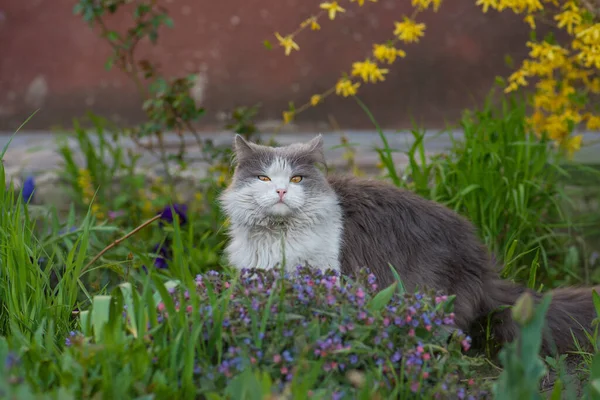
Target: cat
pixel 282 207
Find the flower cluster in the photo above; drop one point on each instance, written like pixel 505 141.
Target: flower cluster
pixel 290 324
pixel 86 186
pixel 567 80
pixel 408 31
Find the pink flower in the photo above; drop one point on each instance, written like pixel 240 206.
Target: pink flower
pixel 465 344
pixel 276 358
pixel 414 386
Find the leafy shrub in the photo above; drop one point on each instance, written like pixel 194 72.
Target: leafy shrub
pixel 258 333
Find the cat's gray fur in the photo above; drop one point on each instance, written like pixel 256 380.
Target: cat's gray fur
pixel 346 223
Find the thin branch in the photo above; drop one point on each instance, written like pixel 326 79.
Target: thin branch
pixel 118 241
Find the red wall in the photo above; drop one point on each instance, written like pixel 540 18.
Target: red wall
pixel 49 58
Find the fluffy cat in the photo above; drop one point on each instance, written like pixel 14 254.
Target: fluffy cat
pixel 280 205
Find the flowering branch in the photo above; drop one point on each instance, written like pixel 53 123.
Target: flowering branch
pixel 368 71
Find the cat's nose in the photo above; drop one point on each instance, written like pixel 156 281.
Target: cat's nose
pixel 281 193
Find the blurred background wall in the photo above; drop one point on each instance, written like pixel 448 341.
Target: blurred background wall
pixel 52 60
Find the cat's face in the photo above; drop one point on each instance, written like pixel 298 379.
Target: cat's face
pixel 276 181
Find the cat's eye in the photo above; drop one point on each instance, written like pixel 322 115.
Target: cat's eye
pixel 264 178
pixel 296 179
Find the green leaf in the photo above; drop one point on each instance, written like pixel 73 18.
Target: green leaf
pixel 100 315
pixel 109 63
pixel 401 288
pixel 596 299
pixel 382 298
pixel 113 36
pixel 557 391
pixel 595 369
pixel 594 389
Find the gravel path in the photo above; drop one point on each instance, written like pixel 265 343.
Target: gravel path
pixel 35 153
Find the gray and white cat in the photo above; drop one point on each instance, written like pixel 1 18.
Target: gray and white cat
pixel 280 204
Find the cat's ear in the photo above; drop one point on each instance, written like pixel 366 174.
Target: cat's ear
pixel 316 144
pixel 315 148
pixel 241 147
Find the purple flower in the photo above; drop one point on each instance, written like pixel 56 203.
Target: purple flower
pixel 68 340
pixel 115 214
pixel 164 254
pixel 12 360
pixel 181 211
pixel 28 189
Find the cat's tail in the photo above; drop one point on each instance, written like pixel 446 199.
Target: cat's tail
pixel 568 318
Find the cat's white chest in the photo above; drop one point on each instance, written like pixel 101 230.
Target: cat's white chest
pixel 316 246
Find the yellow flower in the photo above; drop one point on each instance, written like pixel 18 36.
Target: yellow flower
pixel 362 2
pixel 409 31
pixel 570 19
pixel 369 71
pixel 552 55
pixel 421 4
pixel 332 8
pixel 345 87
pixel 287 42
pixel 387 53
pixel 517 79
pixel 556 128
pixel 314 25
pixel 486 4
pixel 424 4
pixel 594 85
pixel 530 21
pixel 588 34
pixel 572 144
pixel 288 116
pixel 315 99
pixel 96 211
pixel 536 121
pixel 593 123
